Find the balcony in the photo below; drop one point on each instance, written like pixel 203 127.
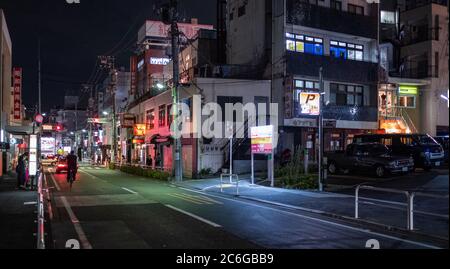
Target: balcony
pixel 421 72
pixel 305 14
pixel 412 4
pixel 422 33
pixel 333 69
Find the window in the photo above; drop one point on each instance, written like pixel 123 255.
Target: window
pixel 150 119
pixel 346 95
pixel 162 116
pixel 337 5
pixel 231 16
pixel 241 11
pixel 407 101
pixel 345 50
pixel 355 9
pixel 303 86
pixel 169 115
pixel 304 44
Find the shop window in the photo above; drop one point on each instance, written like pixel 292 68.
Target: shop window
pixel 407 101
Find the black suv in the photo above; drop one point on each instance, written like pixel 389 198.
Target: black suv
pixel 371 158
pixel 427 153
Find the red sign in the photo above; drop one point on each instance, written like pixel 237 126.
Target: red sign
pixel 39 118
pixel 17 93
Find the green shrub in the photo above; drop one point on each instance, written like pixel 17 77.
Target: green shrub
pixel 142 172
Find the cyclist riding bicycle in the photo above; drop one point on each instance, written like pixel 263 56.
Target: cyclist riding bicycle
pixel 72 166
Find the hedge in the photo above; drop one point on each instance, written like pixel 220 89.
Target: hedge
pixel 143 172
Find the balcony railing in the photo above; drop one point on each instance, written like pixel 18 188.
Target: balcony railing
pixel 417 73
pixel 423 34
pixel 412 4
pixel 333 68
pixel 310 15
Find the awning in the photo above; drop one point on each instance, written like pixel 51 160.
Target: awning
pixel 158 139
pixel 21 130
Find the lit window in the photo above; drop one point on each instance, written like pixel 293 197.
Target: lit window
pixel 300 46
pixel 290 45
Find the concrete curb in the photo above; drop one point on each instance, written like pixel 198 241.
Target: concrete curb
pixel 442 241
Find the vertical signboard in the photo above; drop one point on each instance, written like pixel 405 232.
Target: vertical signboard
pixel 133 73
pixel 288 98
pixel 262 139
pixel 17 93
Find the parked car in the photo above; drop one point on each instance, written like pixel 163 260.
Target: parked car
pixel 426 152
pixel 444 142
pixel 374 158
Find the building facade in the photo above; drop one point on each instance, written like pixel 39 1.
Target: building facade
pixel 291 42
pixel 6 95
pixel 414 52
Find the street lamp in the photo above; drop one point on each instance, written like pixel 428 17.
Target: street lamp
pixel 105 113
pixel 160 86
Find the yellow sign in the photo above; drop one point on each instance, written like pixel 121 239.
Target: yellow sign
pixel 139 129
pixel 310 103
pixel 408 90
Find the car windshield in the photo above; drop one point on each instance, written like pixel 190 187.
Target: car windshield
pixel 377 150
pixel 426 140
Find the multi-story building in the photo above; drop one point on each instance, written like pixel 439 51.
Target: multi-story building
pixel 289 41
pixel 201 76
pixel 5 89
pixel 414 54
pixel 153 54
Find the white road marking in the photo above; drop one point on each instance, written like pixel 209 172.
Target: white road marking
pixel 130 191
pixel 322 221
pixel 54 180
pixel 194 216
pixel 76 223
pixel 30 203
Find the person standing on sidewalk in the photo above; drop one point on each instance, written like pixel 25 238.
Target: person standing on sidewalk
pixel 19 170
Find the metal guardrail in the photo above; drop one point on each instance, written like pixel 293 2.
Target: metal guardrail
pixel 410 196
pixel 428 195
pixel 40 212
pixel 231 181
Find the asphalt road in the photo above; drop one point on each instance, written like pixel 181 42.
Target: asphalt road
pixel 109 209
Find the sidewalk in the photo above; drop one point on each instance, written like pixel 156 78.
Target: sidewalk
pixel 335 205
pixel 17 217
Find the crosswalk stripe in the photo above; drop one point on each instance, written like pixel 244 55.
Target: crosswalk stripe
pixel 195 198
pixel 184 198
pixel 203 198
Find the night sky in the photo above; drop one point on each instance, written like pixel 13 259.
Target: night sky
pixel 73 35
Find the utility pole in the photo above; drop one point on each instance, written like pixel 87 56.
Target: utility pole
pixel 321 135
pixel 170 16
pixel 39 77
pixel 108 62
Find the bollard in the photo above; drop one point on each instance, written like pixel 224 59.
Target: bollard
pixel 306 161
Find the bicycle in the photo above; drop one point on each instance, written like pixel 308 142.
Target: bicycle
pixel 72 174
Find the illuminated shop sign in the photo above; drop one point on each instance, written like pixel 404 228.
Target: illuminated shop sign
pixel 408 90
pixel 309 103
pixel 159 61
